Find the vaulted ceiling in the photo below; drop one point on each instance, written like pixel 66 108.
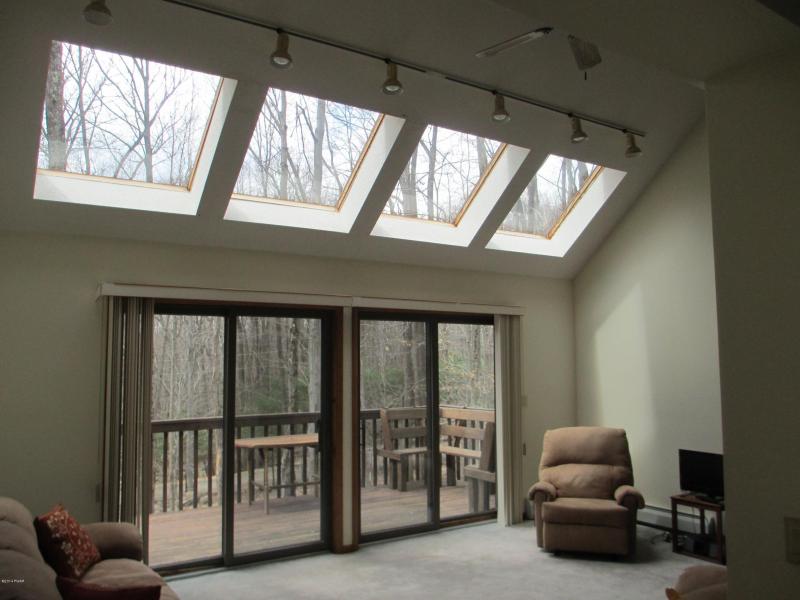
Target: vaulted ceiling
pixel 654 62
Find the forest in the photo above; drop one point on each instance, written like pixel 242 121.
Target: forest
pixel 278 365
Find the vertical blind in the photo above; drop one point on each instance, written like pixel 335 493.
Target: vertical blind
pixel 508 390
pixel 126 455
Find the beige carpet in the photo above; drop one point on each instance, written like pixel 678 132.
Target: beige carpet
pixel 475 562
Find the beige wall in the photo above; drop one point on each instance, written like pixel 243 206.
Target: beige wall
pixel 645 325
pixel 51 355
pixel 754 130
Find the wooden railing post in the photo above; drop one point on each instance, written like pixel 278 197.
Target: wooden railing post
pixel 195 463
pixel 210 468
pixel 292 491
pixel 180 470
pixel 164 472
pixel 239 468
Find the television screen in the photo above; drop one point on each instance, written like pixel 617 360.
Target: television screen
pixel 701 473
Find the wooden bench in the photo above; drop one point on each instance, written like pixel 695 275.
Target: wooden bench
pixel 467 438
pixel 470 437
pixel 404 431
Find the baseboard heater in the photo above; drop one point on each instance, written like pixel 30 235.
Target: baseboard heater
pixel 650 516
pixel 661 518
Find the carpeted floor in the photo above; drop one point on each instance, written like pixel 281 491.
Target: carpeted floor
pixel 484 561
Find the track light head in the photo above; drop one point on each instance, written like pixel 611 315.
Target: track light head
pixel 578 134
pixel 281 58
pixel 500 114
pixel 632 150
pixel 392 85
pixel 97 13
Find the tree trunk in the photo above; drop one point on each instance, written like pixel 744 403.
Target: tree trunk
pixel 431 174
pixel 319 135
pixel 408 188
pixel 147 138
pixel 583 172
pixel 283 186
pixel 529 210
pixel 408 366
pixel 314 359
pixel 483 154
pixel 54 111
pixel 292 373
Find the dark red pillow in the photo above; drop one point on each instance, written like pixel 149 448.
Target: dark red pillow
pixel 72 589
pixel 64 544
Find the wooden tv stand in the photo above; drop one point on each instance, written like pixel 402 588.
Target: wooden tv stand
pixel 703 539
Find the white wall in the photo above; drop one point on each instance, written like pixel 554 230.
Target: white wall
pixel 754 130
pixel 645 325
pixel 51 355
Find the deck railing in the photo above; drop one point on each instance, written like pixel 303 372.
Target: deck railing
pixel 187 453
pixel 191 470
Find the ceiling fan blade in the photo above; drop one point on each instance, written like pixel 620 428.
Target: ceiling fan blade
pixel 515 41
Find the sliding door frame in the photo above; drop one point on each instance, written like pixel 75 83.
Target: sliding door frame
pixel 330 419
pixel 433 458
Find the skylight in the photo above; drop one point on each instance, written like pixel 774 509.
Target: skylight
pixel 442 175
pixel 547 200
pixel 126 118
pixel 305 150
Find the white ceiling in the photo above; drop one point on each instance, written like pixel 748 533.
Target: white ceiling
pixel 665 101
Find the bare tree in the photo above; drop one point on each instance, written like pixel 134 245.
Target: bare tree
pixel 122 117
pixel 55 134
pixel 304 149
pixel 441 175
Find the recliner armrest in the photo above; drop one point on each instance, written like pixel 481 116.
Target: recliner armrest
pixel 542 491
pixel 629 497
pixel 116 540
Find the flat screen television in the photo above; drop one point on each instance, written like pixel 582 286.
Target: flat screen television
pixel 701 473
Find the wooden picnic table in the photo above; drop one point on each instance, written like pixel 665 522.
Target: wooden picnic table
pixel 272 442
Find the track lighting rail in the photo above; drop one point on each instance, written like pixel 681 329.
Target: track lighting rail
pixel 218 12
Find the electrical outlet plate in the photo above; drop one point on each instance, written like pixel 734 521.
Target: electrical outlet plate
pixel 792 539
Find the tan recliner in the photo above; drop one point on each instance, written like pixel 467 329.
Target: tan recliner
pixel 584 500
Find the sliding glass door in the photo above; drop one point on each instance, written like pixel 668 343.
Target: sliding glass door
pixel 395 454
pixel 188 378
pixel 426 421
pixel 278 418
pixel 466 419
pixel 240 419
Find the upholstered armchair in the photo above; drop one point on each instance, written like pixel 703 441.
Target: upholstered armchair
pixel 584 500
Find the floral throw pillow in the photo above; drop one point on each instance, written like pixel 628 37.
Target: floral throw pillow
pixel 65 545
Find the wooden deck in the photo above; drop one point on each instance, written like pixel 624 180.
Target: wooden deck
pixel 196 533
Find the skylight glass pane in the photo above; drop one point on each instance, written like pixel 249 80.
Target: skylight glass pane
pixel 304 149
pixel 441 175
pixel 548 196
pixel 111 115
